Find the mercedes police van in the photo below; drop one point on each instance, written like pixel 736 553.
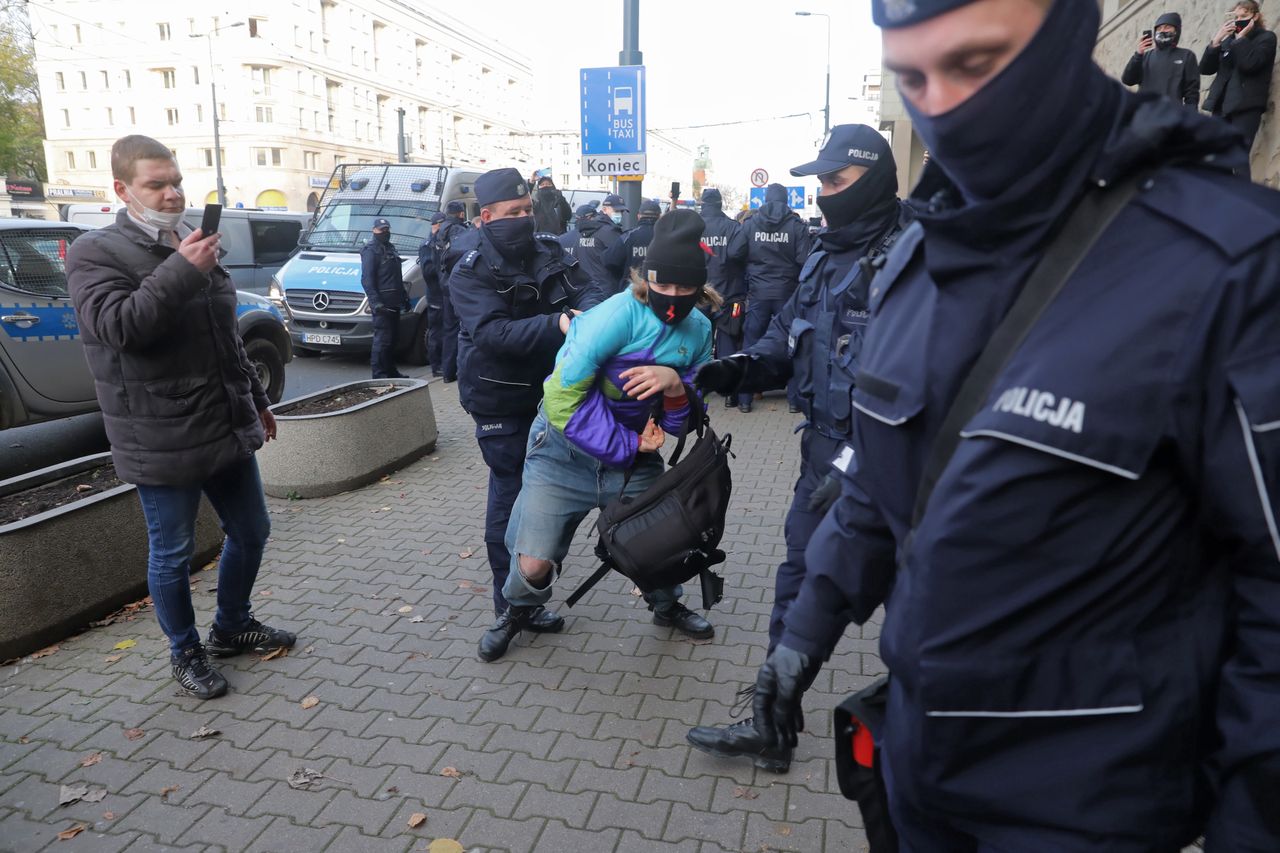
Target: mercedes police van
pixel 320 284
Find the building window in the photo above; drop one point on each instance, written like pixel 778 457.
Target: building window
pixel 66 118
pixel 316 114
pixel 164 31
pixel 111 117
pixel 297 36
pixel 311 159
pixel 133 117
pixel 59 82
pixel 199 113
pixel 302 119
pixel 84 81
pixel 207 155
pixel 93 160
pixel 267 156
pixel 77 33
pixel 255 27
pixel 262 115
pixel 128 79
pixel 195 74
pixel 168 78
pixel 106 79
pixel 355 128
pixel 71 159
pixel 171 115
pixel 261 79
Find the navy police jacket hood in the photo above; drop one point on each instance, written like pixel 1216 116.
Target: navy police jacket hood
pixel 726 239
pixel 778 242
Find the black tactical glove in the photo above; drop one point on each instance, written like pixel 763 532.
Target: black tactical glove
pixel 721 376
pixel 780 684
pixel 825 496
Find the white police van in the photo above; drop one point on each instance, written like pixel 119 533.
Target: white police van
pixel 320 284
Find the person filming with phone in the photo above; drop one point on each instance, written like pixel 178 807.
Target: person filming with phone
pixel 183 409
pixel 1242 54
pixel 1160 66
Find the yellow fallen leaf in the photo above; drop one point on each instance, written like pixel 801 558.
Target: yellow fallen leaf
pixel 310 702
pixel 416 820
pixel 125 644
pixel 444 845
pixel 451 772
pixel 68 834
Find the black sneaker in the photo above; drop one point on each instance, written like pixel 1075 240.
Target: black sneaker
pixel 508 626
pixel 196 676
pixel 254 637
pixel 745 408
pixel 729 402
pixel 793 409
pixel 684 620
pixel 741 739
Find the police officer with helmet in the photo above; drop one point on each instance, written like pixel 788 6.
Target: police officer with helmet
pixel 1082 610
pixel 383 283
pixel 514 294
pixel 814 343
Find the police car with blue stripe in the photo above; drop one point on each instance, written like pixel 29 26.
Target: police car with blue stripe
pixel 43 373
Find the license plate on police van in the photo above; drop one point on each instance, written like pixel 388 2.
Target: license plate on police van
pixel 314 338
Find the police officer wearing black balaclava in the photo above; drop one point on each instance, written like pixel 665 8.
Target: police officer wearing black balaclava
pixel 727 240
pixel 814 343
pixel 383 283
pixel 1160 66
pixel 514 295
pixel 454 239
pixel 1082 621
pixel 435 296
pixel 628 253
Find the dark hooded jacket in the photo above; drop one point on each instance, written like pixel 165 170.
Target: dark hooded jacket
pixel 179 398
pixel 727 239
pixel 778 242
pixel 1170 71
pixel 1243 66
pixel 596 235
pixel 551 212
pixel 628 253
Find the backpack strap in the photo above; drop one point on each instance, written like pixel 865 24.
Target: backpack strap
pixel 606 566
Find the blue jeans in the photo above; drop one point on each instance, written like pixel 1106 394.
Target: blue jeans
pixel 562 484
pixel 236 495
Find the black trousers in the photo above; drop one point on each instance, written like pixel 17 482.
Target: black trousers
pixel 503 441
pixel 435 327
pixel 449 339
pixel 386 329
pixel 1247 122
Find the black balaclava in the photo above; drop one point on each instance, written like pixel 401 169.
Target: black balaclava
pixel 382 236
pixel 1016 122
pixel 1167 41
pixel 512 236
pixel 866 197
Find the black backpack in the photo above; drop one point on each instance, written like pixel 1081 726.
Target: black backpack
pixel 670 533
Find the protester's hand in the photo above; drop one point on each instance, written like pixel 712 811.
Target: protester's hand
pixel 780 684
pixel 1145 44
pixel 200 251
pixel 722 376
pixel 1228 29
pixel 652 437
pixel 645 381
pixel 268 423
pixel 1253 19
pixel 565 319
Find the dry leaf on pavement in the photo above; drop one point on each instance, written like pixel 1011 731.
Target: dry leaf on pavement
pixel 69 794
pixel 167 790
pixel 744 793
pixel 134 734
pixel 95 795
pixel 451 772
pixel 203 732
pixel 44 653
pixel 782 829
pixel 405 609
pixel 125 644
pixel 275 653
pixel 108 815
pixel 470 552
pixel 444 845
pixel 417 619
pixel 68 834
pixel 91 759
pixel 310 702
pixel 416 820
pixel 113 658
pixel 304 777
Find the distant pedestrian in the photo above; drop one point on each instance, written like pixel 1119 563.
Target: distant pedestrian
pixel 383 282
pixel 183 409
pixel 1160 66
pixel 1242 54
pixel 551 211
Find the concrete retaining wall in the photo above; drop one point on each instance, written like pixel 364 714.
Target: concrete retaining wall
pixel 62 569
pixel 319 455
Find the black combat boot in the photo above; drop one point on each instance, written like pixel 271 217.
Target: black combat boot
pixel 741 739
pixel 508 626
pixel 544 621
pixel 684 620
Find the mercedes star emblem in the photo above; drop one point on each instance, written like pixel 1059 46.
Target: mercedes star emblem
pixel 320 301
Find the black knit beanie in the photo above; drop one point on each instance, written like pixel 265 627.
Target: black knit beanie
pixel 676 255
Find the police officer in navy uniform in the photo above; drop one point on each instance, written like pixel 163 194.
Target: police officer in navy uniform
pixel 514 294
pixel 454 238
pixel 596 235
pixel 628 253
pixel 814 343
pixel 569 239
pixel 1082 630
pixel 778 243
pixel 435 296
pixel 383 283
pixel 727 240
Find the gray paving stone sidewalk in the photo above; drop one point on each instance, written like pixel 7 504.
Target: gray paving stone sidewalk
pixel 573 742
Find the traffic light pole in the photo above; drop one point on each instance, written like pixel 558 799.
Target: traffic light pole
pixel 630 55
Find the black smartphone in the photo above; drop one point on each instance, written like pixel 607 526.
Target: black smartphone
pixel 675 190
pixel 209 223
pixel 1146 34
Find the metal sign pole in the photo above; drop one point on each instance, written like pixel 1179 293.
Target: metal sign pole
pixel 630 55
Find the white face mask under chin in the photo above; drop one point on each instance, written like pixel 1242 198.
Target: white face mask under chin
pixel 156 218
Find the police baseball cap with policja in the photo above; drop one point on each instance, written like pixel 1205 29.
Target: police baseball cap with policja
pixel 380 223
pixel 847 145
pixel 616 202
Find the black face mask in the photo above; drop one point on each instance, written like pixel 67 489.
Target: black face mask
pixel 513 236
pixel 382 236
pixel 865 194
pixel 1164 41
pixel 672 309
pixel 1019 118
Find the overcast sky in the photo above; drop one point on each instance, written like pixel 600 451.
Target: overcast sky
pixel 707 61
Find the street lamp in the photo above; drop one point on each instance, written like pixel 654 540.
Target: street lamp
pixel 826 111
pixel 213 89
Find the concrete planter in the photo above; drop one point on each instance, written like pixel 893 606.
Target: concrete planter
pixel 324 454
pixel 61 569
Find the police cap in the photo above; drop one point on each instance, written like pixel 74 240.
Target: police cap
pixel 380 223
pixel 455 206
pixel 583 211
pixel 650 207
pixel 438 217
pixel 500 185
pixel 904 13
pixel 848 145
pixel 615 201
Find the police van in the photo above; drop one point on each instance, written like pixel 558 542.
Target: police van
pixel 320 284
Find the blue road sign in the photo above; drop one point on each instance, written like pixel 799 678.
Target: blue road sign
pixel 756 201
pixel 795 198
pixel 613 110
